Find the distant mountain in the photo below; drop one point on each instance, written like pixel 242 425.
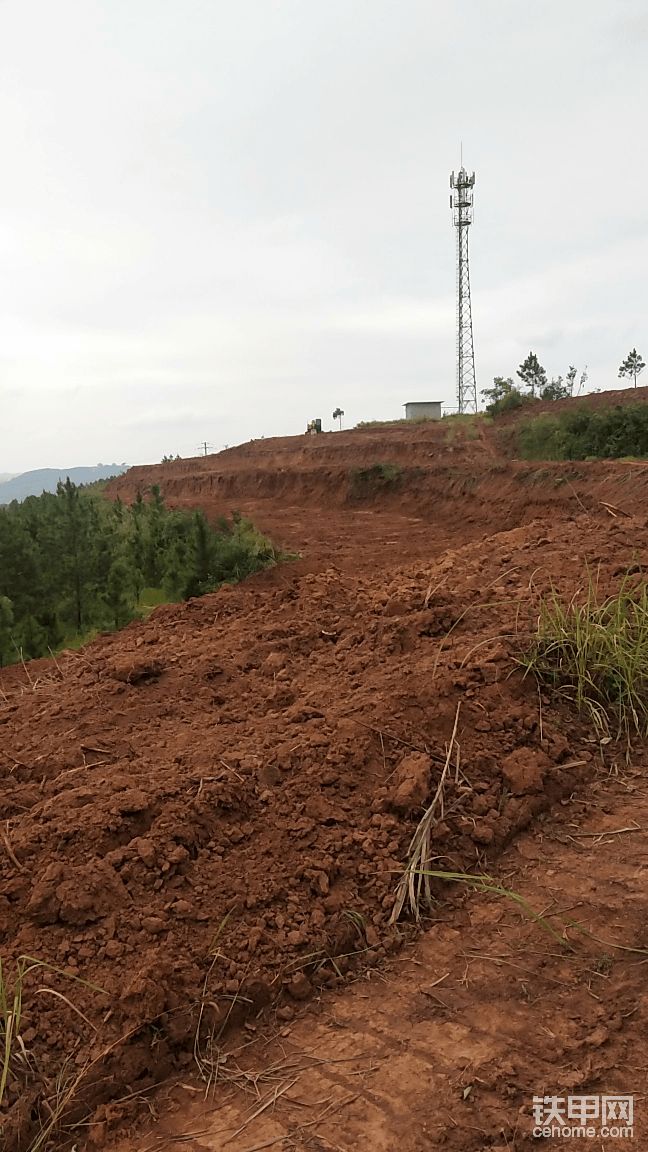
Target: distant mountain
pixel 46 479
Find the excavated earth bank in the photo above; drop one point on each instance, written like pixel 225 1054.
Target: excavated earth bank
pixel 204 816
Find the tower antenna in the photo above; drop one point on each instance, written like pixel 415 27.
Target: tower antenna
pixel 461 202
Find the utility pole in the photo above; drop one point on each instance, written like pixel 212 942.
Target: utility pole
pixel 461 203
pixel 205 446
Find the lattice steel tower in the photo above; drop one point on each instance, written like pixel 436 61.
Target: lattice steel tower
pixel 461 202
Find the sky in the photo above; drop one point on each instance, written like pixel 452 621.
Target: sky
pixel 220 219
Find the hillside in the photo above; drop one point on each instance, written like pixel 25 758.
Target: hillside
pixel 441 469
pixel 207 815
pixel 46 479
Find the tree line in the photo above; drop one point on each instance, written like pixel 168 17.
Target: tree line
pixel 72 562
pixel 506 394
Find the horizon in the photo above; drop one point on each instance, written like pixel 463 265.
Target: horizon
pixel 621 386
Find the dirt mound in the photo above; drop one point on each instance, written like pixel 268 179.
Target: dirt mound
pixel 206 813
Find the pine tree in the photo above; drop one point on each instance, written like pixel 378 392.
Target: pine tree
pixel 21 575
pixel 153 566
pixel 6 621
pixel 199 558
pixel 533 374
pixel 29 638
pixel 74 527
pixel 135 555
pixel 115 594
pixel 633 366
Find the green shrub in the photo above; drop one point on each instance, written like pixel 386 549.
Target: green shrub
pixel 542 439
pixel 586 435
pixel 226 557
pixel 379 478
pixel 504 396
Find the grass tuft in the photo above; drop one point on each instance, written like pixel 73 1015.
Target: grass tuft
pixel 593 650
pixel 492 887
pixel 15 1060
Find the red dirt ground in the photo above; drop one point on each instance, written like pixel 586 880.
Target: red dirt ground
pixel 204 817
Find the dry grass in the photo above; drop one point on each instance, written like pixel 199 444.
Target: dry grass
pixel 415 881
pixel 17 1063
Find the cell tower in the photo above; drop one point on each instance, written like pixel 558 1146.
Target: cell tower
pixel 461 202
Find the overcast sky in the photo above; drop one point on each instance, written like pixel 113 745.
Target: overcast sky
pixel 220 219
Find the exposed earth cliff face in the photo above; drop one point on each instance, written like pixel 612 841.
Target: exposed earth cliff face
pixel 206 814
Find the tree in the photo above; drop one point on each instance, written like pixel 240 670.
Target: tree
pixel 75 537
pixel 337 415
pixel 200 558
pixel 633 365
pixel 175 573
pixel 501 388
pixel 75 558
pixel 135 553
pixel 503 396
pixel 115 594
pixel 556 390
pixel 571 378
pixel 533 374
pixel 158 498
pixel 6 620
pixel 30 638
pixel 21 570
pixel 154 542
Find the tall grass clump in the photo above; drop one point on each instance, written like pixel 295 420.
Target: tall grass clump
pixel 593 651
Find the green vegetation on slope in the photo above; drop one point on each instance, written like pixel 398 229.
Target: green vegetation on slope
pixel 611 433
pixel 72 564
pixel 377 478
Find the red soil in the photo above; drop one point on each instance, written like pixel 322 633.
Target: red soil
pixel 206 813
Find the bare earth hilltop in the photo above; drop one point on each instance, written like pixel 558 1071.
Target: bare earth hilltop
pixel 205 815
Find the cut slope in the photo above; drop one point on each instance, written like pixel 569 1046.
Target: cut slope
pixel 452 486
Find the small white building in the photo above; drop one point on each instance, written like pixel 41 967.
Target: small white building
pixel 431 409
